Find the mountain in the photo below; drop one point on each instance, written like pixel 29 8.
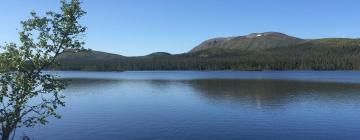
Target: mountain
pixel 268 51
pixel 254 41
pixel 89 55
pixel 158 54
pixel 88 60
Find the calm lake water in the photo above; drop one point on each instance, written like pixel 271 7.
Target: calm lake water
pixel 297 105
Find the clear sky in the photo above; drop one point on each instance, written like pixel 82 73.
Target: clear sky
pixel 140 27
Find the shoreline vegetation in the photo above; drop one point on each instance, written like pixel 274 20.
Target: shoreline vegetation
pixel 271 51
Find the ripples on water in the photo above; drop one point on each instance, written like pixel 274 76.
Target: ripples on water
pixel 207 105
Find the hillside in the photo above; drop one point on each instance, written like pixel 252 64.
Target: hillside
pixel 158 54
pixel 254 41
pixel 89 60
pixel 282 52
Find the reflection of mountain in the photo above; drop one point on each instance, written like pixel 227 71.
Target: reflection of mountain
pixel 274 92
pixel 260 93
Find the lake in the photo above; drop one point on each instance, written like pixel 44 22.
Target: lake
pixel 272 105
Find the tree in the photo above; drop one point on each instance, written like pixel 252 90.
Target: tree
pixel 28 96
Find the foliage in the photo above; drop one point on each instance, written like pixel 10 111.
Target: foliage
pixel 28 96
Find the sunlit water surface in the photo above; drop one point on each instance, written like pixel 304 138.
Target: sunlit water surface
pixel 298 105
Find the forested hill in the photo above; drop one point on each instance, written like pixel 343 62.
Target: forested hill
pixel 282 52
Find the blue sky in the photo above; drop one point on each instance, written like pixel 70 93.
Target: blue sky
pixel 140 27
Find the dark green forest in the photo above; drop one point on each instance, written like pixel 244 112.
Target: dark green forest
pixel 321 54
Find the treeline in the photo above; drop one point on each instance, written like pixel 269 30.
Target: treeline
pixel 300 57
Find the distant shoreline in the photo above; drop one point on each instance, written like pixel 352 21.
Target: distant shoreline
pixel 208 71
pixel 317 76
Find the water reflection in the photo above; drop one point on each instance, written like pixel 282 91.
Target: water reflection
pixel 271 93
pixel 205 109
pixel 274 92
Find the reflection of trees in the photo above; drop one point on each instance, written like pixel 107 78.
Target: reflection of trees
pixel 83 82
pixel 90 82
pixel 273 92
pixel 84 86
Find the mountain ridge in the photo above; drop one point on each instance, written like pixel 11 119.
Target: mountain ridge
pixel 253 41
pixel 278 53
